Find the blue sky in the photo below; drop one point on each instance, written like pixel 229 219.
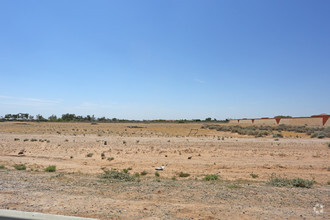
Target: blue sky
pixel 165 59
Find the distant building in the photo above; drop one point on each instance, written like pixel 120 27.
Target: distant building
pixel 314 120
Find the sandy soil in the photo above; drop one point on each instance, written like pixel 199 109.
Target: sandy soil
pixel 77 189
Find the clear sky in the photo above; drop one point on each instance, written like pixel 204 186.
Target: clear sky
pixel 163 59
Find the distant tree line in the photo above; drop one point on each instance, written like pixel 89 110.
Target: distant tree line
pixel 283 116
pixel 78 118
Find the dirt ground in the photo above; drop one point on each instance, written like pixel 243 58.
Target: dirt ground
pixel 77 189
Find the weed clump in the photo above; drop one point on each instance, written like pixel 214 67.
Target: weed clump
pixel 89 155
pixel 277 135
pixel 51 168
pixel 157 174
pixel 143 173
pixel 116 175
pixel 125 170
pixel 253 175
pixel 182 174
pixel 211 177
pixel 319 134
pixel 2 167
pixel 284 182
pixel 20 167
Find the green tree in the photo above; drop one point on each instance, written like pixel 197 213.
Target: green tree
pixel 52 118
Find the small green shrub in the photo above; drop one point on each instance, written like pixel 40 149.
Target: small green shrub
pixel 33 140
pixel 157 174
pixel 182 174
pixel 284 182
pixel 51 168
pixel 319 134
pixel 89 155
pixel 16 139
pixel 125 170
pixel 277 135
pixel 110 158
pixel 137 175
pixel 254 175
pixel 26 140
pixel 143 173
pixel 211 177
pixel 173 178
pixel 298 182
pixel 2 167
pixel 116 175
pixel 20 167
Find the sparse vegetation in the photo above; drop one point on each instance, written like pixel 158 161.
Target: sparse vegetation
pixel 20 167
pixel 16 139
pixel 182 174
pixel 277 135
pixel 89 155
pixel 259 131
pixel 116 175
pixel 125 170
pixel 319 134
pixel 51 168
pixel 2 167
pixel 110 158
pixel 253 175
pixel 233 186
pixel 284 182
pixel 143 173
pixel 211 177
pixel 26 140
pixel 157 174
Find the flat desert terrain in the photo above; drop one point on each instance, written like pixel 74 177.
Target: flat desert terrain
pixel 82 152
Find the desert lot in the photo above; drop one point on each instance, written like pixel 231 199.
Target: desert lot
pixel 82 152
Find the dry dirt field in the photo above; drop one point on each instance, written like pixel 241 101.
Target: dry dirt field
pixel 77 189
